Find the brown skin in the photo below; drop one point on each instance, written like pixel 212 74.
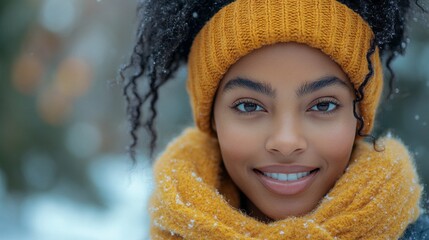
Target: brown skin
pixel 256 129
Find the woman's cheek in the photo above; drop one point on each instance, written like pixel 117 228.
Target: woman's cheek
pixel 238 137
pixel 336 140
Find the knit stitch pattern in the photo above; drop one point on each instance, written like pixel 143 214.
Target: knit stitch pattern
pixel 376 198
pixel 246 25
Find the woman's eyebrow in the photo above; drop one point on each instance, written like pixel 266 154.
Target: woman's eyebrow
pixel 256 86
pixel 311 87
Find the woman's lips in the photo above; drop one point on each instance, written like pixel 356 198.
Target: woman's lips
pixel 286 180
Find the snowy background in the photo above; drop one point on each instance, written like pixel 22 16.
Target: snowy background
pixel 64 172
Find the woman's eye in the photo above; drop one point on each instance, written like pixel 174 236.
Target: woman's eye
pixel 247 107
pixel 324 107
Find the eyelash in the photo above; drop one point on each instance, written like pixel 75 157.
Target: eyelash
pixel 328 101
pixel 319 101
pixel 244 101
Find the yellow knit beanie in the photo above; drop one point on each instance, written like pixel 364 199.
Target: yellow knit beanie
pixel 246 25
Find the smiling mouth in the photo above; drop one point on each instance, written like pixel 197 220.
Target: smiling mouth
pixel 287 183
pixel 286 176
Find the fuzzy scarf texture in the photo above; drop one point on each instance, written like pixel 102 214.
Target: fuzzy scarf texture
pixel 376 198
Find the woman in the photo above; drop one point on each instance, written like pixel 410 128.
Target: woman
pixel 283 93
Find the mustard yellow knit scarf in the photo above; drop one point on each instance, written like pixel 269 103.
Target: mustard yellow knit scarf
pixel 376 198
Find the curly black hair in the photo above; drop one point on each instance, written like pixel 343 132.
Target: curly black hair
pixel 166 29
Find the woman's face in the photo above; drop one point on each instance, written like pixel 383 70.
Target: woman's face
pixel 284 118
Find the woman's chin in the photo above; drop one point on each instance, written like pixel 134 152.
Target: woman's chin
pixel 271 214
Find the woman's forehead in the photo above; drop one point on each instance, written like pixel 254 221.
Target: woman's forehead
pixel 283 62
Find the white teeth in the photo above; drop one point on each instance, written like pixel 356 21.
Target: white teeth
pixel 292 177
pixel 275 175
pixel 282 177
pixel 287 177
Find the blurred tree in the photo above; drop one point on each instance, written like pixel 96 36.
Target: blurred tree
pixel 33 157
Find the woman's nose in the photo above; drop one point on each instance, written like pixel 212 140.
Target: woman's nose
pixel 286 137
